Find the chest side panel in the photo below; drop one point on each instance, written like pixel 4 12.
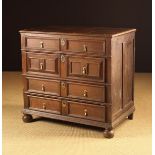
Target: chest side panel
pixel 122 73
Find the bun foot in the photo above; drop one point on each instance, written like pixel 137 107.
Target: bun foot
pixel 108 133
pixel 27 118
pixel 130 117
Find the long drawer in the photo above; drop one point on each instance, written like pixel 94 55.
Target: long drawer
pixel 66 66
pixel 68 108
pixel 67 44
pixel 67 89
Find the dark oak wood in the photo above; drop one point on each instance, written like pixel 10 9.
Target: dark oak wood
pixel 85 91
pixel 27 118
pixel 79 74
pixel 108 133
pixel 43 63
pixel 87 111
pixel 130 117
pixel 46 105
pixel 44 86
pixel 42 43
pixel 86 31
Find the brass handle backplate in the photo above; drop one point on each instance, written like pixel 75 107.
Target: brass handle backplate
pixel 85 112
pixel 84 48
pixel 42 44
pixel 42 87
pixel 41 66
pixel 44 106
pixel 84 70
pixel 85 93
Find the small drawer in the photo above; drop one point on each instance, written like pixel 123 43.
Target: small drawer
pixel 92 112
pixel 42 43
pixel 83 91
pixel 83 45
pixel 44 86
pixel 45 104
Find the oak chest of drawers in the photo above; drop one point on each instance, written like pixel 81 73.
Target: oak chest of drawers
pixel 79 74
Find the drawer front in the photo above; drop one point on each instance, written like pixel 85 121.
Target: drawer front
pixel 83 45
pixel 87 111
pixel 83 91
pixel 42 104
pixel 43 63
pixel 42 43
pixel 44 86
pixel 83 67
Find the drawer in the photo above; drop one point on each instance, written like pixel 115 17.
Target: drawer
pixel 83 67
pixel 43 63
pixel 44 104
pixel 42 43
pixel 86 111
pixel 44 86
pixel 83 91
pixel 83 45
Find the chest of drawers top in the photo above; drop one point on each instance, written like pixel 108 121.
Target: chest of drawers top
pixel 82 31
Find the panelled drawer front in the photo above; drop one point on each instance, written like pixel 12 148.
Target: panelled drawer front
pixel 83 91
pixel 83 67
pixel 83 45
pixel 87 111
pixel 42 43
pixel 42 104
pixel 44 86
pixel 43 63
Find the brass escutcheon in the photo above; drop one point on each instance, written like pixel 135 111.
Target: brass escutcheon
pixel 63 42
pixel 63 104
pixel 63 58
pixel 63 85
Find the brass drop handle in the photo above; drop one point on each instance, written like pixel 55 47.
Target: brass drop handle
pixel 41 66
pixel 85 93
pixel 42 87
pixel 44 106
pixel 84 48
pixel 42 44
pixel 85 112
pixel 63 85
pixel 84 70
pixel 63 42
pixel 63 104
